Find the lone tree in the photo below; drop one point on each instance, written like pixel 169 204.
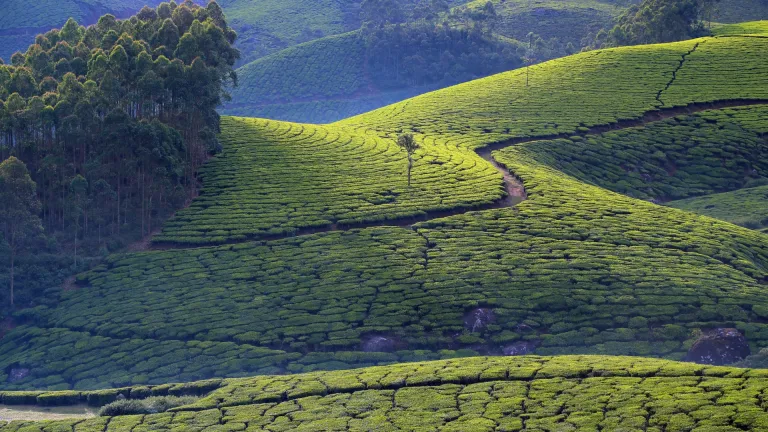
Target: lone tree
pixel 19 208
pixel 407 143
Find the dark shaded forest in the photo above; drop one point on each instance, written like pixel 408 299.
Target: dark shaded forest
pixel 657 21
pixel 111 123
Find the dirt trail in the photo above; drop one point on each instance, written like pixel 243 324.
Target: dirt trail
pixel 10 413
pixel 515 190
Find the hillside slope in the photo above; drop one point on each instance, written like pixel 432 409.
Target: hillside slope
pixel 339 76
pixel 568 21
pixel 573 269
pixel 481 394
pixel 328 80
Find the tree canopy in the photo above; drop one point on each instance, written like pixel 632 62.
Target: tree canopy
pixel 655 21
pixel 114 119
pixel 127 107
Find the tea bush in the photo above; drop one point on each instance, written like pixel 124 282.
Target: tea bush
pixel 151 405
pixel 479 394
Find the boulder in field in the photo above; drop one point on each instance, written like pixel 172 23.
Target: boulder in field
pixel 17 374
pixel 519 348
pixel 721 346
pixel 478 319
pixel 380 343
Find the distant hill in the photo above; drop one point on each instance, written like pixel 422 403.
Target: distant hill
pixel 327 79
pixel 568 21
pixel 335 77
pixel 578 21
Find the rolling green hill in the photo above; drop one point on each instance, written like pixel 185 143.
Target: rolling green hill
pixel 566 20
pixel 483 394
pixel 300 184
pixel 292 282
pixel 268 26
pixel 751 27
pixel 339 76
pixel 578 21
pixel 745 207
pixel 712 151
pixel 327 80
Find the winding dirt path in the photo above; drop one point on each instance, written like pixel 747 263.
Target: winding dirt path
pixel 514 187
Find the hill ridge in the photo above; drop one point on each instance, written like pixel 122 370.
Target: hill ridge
pixel 674 72
pixel 513 185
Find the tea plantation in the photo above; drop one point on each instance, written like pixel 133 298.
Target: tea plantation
pixel 704 153
pixel 744 207
pixel 745 28
pixel 568 21
pixel 268 26
pixel 299 73
pixel 562 95
pixel 277 178
pixel 294 278
pixel 480 394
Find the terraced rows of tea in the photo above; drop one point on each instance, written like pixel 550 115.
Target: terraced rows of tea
pixel 481 394
pixel 568 21
pixel 571 94
pixel 744 207
pixel 278 178
pixel 574 269
pixel 298 73
pixel 708 152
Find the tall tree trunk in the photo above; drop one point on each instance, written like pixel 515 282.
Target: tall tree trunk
pixel 13 262
pixel 410 166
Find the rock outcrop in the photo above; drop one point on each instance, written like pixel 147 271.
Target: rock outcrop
pixel 721 346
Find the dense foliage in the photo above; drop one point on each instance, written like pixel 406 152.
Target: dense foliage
pixel 655 21
pixel 114 119
pixel 482 394
pixel 19 221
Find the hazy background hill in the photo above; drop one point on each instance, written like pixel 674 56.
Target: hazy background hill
pixel 308 61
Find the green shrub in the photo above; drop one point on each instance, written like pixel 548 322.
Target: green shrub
pixel 61 398
pixel 151 405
